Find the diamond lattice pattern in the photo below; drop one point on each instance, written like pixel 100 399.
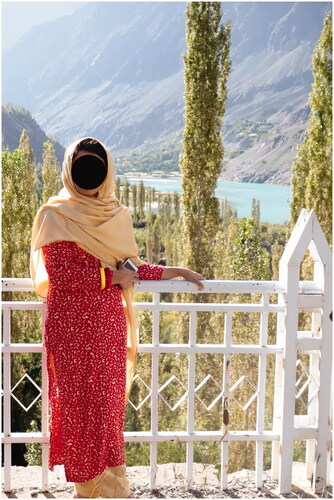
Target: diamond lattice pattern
pixel 26 376
pixel 303 383
pixel 243 384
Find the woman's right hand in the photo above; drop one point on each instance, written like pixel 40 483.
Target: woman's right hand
pixel 124 277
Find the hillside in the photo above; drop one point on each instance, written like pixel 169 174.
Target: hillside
pixel 115 71
pixel 14 120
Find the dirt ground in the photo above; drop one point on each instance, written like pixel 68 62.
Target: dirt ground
pixel 171 483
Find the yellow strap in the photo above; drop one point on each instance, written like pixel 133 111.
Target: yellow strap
pixel 103 278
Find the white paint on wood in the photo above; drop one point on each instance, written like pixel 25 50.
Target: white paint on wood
pixel 191 398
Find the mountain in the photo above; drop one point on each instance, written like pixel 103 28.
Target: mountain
pixel 114 70
pixel 14 120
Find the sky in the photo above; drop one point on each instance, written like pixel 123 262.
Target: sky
pixel 19 17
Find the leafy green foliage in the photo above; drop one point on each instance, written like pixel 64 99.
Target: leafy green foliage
pixel 18 207
pixel 18 211
pixel 50 172
pixel 207 67
pixel 312 169
pixel 33 455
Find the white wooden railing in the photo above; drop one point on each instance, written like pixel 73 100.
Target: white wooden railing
pixel 294 297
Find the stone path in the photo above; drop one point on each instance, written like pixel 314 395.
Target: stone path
pixel 171 483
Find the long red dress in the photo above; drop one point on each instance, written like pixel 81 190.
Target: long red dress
pixel 85 338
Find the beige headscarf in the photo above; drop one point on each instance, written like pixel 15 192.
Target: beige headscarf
pixel 101 226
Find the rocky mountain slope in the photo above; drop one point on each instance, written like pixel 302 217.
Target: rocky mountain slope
pixel 14 120
pixel 115 71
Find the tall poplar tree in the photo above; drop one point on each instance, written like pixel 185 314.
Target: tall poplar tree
pixel 50 172
pixel 312 169
pixel 127 193
pixel 134 203
pixel 141 201
pixel 18 208
pixel 207 67
pixel 18 211
pixel 118 188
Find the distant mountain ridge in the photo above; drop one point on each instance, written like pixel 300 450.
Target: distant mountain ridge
pixel 14 121
pixel 115 71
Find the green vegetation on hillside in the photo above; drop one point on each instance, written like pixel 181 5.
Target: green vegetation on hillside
pixel 246 133
pixel 161 157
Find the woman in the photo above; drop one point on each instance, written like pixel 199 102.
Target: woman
pixel 80 239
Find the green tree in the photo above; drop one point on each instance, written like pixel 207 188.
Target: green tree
pixel 156 240
pixel 255 212
pixel 18 210
pixel 141 201
pixel 176 205
pixel 50 172
pixel 118 187
pixel 134 203
pixel 251 261
pixel 127 193
pixel 228 213
pixel 149 237
pixel 312 169
pixel 207 67
pixel 149 199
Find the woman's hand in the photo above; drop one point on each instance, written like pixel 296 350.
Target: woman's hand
pixel 124 277
pixel 193 277
pixel 169 273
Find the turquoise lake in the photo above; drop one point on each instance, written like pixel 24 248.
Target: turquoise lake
pixel 274 199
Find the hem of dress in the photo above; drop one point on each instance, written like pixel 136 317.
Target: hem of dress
pixel 71 479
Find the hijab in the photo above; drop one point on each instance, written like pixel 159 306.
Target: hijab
pixel 101 226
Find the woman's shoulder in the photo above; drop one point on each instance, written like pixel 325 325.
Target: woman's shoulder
pixel 47 212
pixel 60 244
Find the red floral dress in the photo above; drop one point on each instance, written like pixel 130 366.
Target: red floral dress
pixel 85 338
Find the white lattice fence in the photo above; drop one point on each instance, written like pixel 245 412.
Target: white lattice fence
pixel 293 379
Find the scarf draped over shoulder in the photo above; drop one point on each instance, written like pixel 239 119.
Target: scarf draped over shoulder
pixel 101 226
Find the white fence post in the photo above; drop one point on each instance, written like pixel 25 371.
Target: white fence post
pixel 191 398
pixel 226 394
pixel 278 396
pixel 321 254
pixel 261 396
pixel 289 378
pixel 155 394
pixel 7 400
pixel 313 396
pixel 307 234
pixel 45 413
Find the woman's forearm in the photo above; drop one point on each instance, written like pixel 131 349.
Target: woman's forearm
pixel 169 273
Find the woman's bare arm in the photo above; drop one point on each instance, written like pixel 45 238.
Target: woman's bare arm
pixel 125 278
pixel 169 273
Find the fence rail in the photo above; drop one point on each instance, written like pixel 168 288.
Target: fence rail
pixel 293 297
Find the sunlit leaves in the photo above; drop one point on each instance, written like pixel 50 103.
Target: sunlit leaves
pixel 312 169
